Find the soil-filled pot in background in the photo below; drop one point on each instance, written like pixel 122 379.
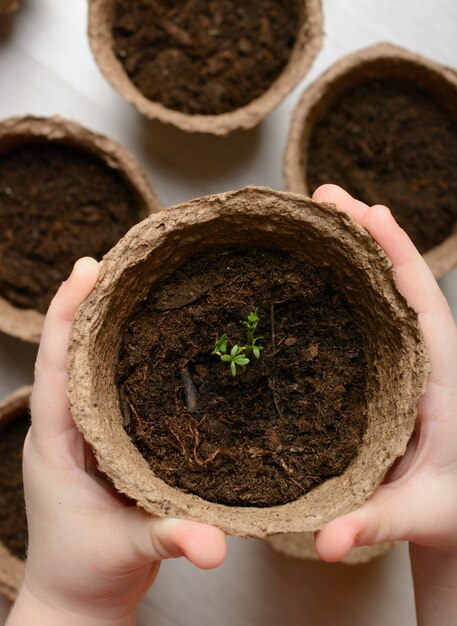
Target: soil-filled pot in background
pixel 65 192
pixel 299 435
pixel 205 66
pixel 14 423
pixel 382 124
pixel 301 546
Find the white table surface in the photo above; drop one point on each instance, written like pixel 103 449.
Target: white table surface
pixel 46 68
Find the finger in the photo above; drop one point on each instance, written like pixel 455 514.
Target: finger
pixel 333 194
pixel 412 275
pixel 398 511
pixel 50 415
pixel 143 539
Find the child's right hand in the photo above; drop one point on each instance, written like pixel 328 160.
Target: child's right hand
pixel 418 500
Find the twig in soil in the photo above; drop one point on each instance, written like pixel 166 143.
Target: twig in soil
pixel 287 470
pixel 272 322
pixel 271 385
pixel 271 380
pixel 176 436
pixel 134 410
pixel 125 411
pixel 190 391
pixel 123 398
pixel 198 461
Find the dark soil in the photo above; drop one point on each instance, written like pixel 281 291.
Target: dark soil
pixel 390 143
pixel 205 56
pixel 13 520
pixel 57 204
pixel 294 418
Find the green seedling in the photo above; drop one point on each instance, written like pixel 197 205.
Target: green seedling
pixel 238 355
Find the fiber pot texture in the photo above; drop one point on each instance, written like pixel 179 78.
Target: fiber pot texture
pixel 307 45
pixel 8 6
pixel 315 233
pixel 396 144
pixel 25 322
pixel 301 546
pixel 11 567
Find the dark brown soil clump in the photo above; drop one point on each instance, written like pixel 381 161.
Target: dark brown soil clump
pixel 293 419
pixel 391 143
pixel 13 520
pixel 57 204
pixel 205 56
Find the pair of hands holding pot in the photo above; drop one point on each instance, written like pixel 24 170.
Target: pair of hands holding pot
pixel 92 556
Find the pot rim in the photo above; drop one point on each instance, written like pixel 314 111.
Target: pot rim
pixel 308 44
pixel 441 258
pixel 27 324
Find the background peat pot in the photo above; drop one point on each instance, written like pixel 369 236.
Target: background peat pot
pixel 37 145
pixel 102 16
pixel 301 546
pixel 14 421
pixel 316 234
pixel 402 153
pixel 8 6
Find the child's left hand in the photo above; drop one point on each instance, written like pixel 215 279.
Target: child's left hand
pixel 91 554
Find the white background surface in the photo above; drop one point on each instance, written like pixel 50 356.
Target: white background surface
pixel 46 68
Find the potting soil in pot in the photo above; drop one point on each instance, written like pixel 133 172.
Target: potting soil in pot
pixel 13 520
pixel 389 142
pixel 292 419
pixel 57 204
pixel 205 56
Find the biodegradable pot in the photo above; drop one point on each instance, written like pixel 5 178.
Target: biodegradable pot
pixel 315 233
pixel 23 323
pixel 301 546
pixel 8 6
pixel 378 61
pixel 308 43
pixel 12 568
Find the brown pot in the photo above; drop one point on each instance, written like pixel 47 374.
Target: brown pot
pixel 316 233
pixel 378 61
pixel 301 546
pixel 11 567
pixel 308 44
pixel 8 6
pixel 26 324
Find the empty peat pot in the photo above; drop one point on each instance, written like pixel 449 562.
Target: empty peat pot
pixel 65 192
pixel 14 423
pixel 205 66
pixel 382 124
pixel 300 435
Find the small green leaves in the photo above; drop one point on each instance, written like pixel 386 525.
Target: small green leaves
pixel 220 346
pixel 252 321
pixel 238 354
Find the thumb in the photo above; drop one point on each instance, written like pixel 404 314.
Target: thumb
pixel 142 539
pixel 395 512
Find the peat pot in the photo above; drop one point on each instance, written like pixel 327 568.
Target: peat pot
pixel 382 124
pixel 207 66
pixel 14 423
pixel 65 192
pixel 289 440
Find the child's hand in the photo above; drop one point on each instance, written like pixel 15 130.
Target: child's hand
pixel 418 500
pixel 90 554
